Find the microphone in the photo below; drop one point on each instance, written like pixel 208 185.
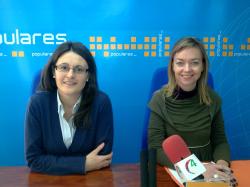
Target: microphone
pixel 186 164
pixel 175 148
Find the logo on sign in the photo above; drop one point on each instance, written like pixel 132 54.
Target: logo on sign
pixel 190 166
pixel 24 38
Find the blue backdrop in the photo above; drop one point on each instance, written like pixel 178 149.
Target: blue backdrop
pixel 130 40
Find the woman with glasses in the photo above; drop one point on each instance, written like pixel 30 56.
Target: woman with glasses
pixel 69 121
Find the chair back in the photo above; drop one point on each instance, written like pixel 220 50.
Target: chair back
pixel 36 81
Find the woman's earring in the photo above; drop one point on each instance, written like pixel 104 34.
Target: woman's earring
pixel 54 76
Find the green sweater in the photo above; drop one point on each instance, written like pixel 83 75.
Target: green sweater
pixel 201 126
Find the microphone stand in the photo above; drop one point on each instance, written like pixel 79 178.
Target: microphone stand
pixel 148 168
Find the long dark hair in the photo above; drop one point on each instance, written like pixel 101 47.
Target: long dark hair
pixel 82 117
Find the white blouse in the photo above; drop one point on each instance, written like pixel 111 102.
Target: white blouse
pixel 67 127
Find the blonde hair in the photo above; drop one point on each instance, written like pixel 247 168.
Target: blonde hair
pixel 184 43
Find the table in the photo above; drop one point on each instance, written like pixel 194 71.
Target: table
pixel 241 170
pixel 121 175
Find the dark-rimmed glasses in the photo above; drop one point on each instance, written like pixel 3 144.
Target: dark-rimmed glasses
pixel 65 68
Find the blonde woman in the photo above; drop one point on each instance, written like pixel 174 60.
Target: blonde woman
pixel 188 107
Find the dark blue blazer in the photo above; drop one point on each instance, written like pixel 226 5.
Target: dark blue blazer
pixel 44 147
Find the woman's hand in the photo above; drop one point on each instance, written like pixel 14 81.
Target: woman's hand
pixel 95 161
pixel 219 172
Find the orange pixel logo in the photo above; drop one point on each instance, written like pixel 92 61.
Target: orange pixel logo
pixel 147 46
pixel 17 53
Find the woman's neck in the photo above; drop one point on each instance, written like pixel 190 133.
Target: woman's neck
pixel 181 94
pixel 68 101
